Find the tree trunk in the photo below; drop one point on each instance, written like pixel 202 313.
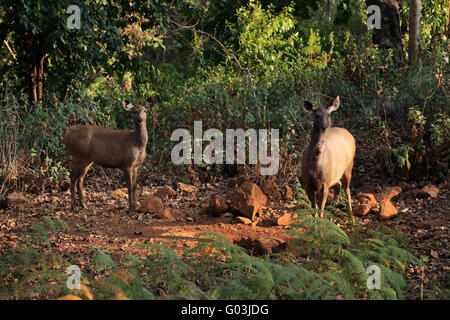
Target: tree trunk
pixel 390 34
pixel 36 78
pixel 414 29
pixel 447 25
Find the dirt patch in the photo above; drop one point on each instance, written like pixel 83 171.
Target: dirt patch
pixel 107 225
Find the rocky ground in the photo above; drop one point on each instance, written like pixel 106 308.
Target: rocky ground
pixel 172 213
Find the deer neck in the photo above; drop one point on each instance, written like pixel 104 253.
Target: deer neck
pixel 141 134
pixel 318 142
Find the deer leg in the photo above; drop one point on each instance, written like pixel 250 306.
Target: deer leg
pixel 324 198
pixel 346 184
pixel 134 184
pixel 80 189
pixel 74 176
pixel 128 174
pixel 312 198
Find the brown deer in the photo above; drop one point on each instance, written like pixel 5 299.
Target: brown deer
pixel 328 159
pixel 109 148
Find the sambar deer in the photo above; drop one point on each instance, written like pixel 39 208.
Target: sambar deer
pixel 109 148
pixel 328 159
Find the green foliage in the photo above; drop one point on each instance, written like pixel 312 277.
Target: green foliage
pixel 31 269
pixel 265 41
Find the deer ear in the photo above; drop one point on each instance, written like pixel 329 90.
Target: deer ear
pixel 127 105
pixel 307 106
pixel 334 106
pixel 149 102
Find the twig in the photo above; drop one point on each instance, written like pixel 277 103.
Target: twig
pixel 421 284
pixel 9 48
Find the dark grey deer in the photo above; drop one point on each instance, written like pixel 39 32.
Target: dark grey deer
pixel 109 148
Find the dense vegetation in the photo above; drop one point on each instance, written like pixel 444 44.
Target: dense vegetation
pixel 231 64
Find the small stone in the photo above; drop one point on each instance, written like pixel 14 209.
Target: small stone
pixel 429 191
pixel 151 204
pixel 284 220
pixel 243 220
pixel 165 192
pixel 186 187
pixel 288 194
pixel 171 215
pixel 15 198
pixel 118 193
pixel 261 246
pixel 430 223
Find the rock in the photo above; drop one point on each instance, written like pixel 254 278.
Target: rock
pixel 361 210
pixel 248 200
pixel 284 220
pixel 366 203
pixel 218 205
pixel 243 220
pixel 387 209
pixel 261 246
pixel 171 215
pixel 118 193
pixel 15 198
pixel 271 190
pixel 222 219
pixel 298 248
pixel 288 194
pixel 430 223
pixel 151 204
pixel 186 187
pixel 165 192
pixel 429 191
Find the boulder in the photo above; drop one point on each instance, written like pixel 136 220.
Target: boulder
pixel 361 210
pixel 366 203
pixel 151 204
pixel 218 205
pixel 429 191
pixel 271 189
pixel 248 200
pixel 387 209
pixel 165 192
